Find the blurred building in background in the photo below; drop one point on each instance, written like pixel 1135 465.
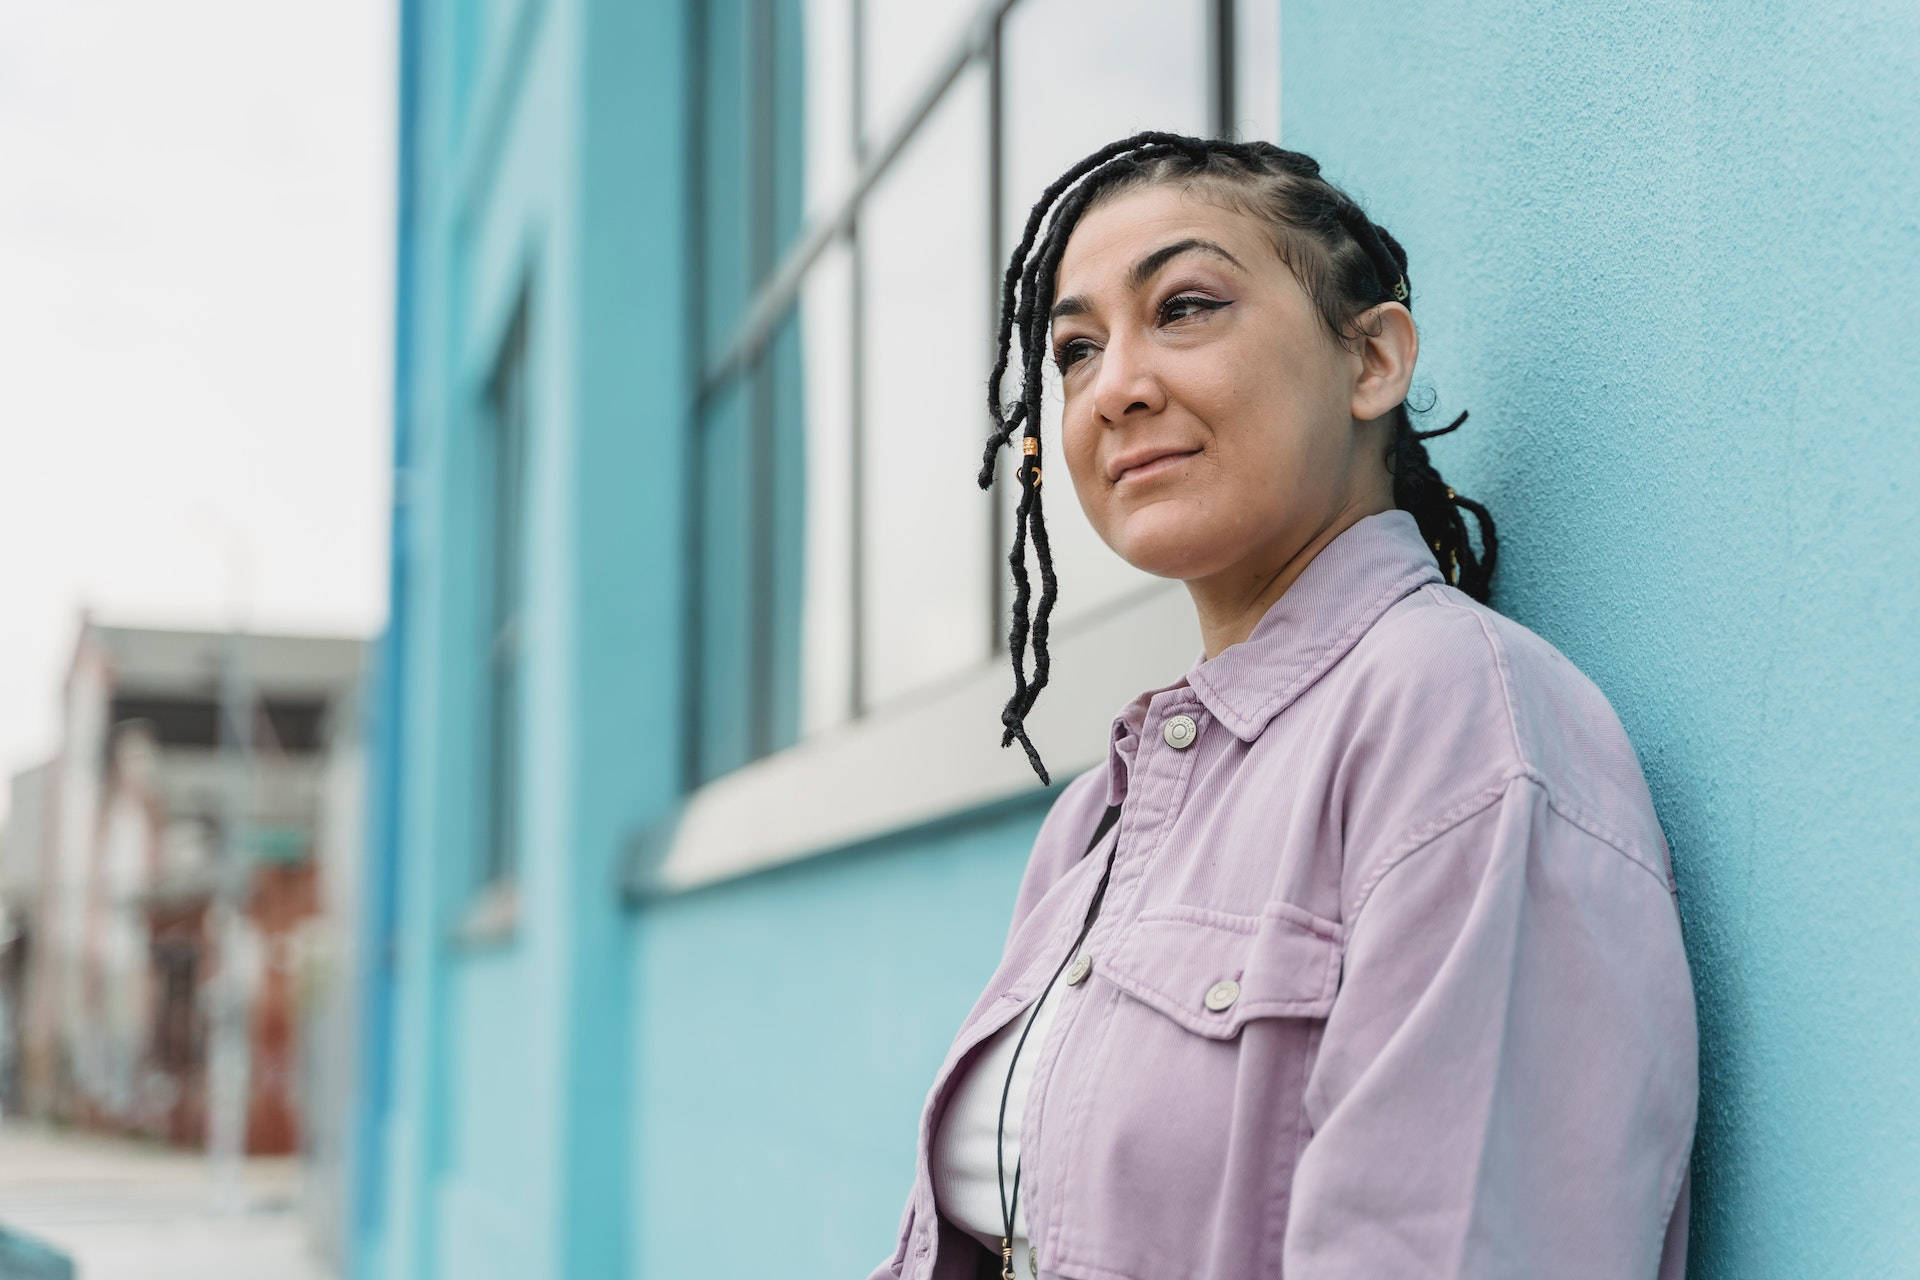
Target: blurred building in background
pixel 113 861
pixel 692 835
pixel 25 856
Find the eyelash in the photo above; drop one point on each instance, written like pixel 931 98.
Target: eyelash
pixel 1066 357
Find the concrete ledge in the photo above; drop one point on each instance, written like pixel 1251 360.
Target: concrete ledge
pixel 928 758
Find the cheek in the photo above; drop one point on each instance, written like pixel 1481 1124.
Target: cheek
pixel 1078 444
pixel 1269 428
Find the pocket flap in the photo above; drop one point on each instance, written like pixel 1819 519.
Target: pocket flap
pixel 1212 970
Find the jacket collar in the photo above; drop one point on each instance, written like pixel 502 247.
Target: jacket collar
pixel 1369 565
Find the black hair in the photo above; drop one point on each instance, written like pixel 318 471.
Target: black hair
pixel 1346 264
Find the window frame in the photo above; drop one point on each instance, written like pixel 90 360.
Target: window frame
pixel 855 781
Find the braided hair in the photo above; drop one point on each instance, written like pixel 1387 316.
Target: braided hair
pixel 1346 264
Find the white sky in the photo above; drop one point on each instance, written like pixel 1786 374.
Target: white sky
pixel 195 266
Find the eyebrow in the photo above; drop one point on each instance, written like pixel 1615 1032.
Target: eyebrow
pixel 1144 270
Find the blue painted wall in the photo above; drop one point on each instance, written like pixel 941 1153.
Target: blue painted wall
pixel 1667 256
pixel 793 1022
pixel 541 159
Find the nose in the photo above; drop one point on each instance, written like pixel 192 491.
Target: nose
pixel 1126 382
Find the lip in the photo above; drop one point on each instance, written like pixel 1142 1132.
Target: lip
pixel 1142 463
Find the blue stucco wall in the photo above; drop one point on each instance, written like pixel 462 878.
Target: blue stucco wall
pixel 542 160
pixel 1667 256
pixel 793 1023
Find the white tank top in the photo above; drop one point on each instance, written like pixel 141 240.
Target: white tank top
pixel 966 1188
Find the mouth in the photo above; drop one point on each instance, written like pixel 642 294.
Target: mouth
pixel 1154 465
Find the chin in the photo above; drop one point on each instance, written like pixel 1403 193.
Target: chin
pixel 1170 540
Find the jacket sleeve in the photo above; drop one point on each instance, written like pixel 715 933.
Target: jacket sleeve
pixel 1507 1080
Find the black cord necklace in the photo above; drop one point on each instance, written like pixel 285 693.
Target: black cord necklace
pixel 1007 1206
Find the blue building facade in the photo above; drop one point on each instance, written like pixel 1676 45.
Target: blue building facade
pixel 693 839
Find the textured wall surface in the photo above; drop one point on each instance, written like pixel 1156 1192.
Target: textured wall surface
pixel 1668 255
pixel 793 1023
pixel 501 1151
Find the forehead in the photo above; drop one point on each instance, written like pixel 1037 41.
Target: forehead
pixel 1116 233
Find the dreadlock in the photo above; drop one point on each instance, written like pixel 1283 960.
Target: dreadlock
pixel 1345 262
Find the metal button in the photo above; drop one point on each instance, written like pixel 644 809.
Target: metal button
pixel 1077 971
pixel 1222 994
pixel 1180 732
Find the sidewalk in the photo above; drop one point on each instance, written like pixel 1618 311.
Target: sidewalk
pixel 128 1211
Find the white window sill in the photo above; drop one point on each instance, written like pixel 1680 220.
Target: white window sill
pixel 931 757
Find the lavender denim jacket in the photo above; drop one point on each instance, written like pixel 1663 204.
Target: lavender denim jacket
pixel 1388 981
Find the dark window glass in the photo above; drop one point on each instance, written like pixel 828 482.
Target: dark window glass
pixel 177 721
pixel 291 725
pixel 724 636
pixel 503 505
pixel 726 117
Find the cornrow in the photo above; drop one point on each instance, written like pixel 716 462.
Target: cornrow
pixel 1318 227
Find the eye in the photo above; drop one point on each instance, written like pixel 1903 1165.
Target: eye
pixel 1183 305
pixel 1070 353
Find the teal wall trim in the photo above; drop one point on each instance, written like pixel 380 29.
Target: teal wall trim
pixel 628 510
pixel 1666 255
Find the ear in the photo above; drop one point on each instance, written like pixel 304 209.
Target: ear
pixel 1388 346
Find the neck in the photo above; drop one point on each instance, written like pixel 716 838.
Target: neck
pixel 1231 603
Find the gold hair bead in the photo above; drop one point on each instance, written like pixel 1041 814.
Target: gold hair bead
pixel 1030 446
pixel 1449 493
pixel 1036 477
pixel 1400 290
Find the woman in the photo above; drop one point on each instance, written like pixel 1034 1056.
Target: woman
pixel 1379 972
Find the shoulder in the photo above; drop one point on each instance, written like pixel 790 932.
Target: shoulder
pixel 1074 813
pixel 1062 839
pixel 1451 700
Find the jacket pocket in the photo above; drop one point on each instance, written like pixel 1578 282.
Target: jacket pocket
pixel 1211 971
pixel 1184 1108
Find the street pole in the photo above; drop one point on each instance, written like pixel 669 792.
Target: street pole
pixel 230 1048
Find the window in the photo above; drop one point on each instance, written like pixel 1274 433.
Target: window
pixel 289 724
pixel 1091 82
pixel 178 720
pixel 503 465
pixel 927 564
pixel 862 170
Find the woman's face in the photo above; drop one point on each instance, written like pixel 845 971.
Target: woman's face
pixel 1178 331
